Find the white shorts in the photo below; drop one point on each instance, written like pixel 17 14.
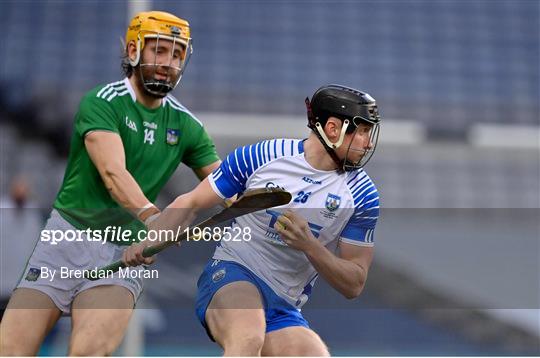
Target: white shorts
pixel 67 260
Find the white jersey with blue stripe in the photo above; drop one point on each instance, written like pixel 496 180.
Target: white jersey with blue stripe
pixel 338 207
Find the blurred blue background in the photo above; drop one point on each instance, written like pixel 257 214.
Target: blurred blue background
pixel 447 64
pixel 457 82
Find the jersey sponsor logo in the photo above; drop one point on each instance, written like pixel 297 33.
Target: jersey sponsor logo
pixel 272 185
pixel 312 181
pixel 150 125
pixel 130 124
pixel 315 229
pixel 332 202
pixel 172 136
pixel 218 275
pixel 33 274
pixel 148 136
pixel 274 236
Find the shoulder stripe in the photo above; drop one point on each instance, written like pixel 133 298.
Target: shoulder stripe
pixel 244 158
pixel 260 153
pixel 117 93
pixel 360 198
pixel 372 200
pixel 241 172
pixel 355 174
pixel 361 182
pixel 362 188
pixel 268 154
pixel 176 102
pixel 255 153
pixel 108 86
pixel 263 152
pixel 238 167
pixel 109 90
pixel 250 159
pixel 173 102
pixel 100 92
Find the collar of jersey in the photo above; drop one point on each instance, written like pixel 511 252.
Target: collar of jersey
pixel 138 104
pixel 148 110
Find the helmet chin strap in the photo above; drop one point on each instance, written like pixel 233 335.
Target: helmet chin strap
pixel 327 141
pixel 329 146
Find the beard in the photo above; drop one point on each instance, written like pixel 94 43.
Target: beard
pixel 153 87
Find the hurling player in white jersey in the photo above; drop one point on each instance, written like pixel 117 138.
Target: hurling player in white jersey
pixel 251 291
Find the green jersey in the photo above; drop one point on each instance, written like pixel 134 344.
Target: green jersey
pixel 155 142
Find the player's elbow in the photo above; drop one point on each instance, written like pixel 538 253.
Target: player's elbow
pixel 352 294
pixel 353 291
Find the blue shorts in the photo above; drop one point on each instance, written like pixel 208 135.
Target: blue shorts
pixel 278 312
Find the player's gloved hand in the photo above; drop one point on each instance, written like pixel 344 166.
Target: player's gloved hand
pixel 294 230
pixel 132 256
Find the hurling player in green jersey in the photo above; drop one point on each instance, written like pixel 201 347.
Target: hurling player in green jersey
pixel 129 137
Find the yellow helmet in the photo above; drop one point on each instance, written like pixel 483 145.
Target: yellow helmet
pixel 161 26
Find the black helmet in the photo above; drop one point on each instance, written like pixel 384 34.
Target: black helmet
pixel 353 107
pixel 344 103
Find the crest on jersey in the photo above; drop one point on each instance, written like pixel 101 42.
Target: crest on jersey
pixel 33 274
pixel 130 124
pixel 172 136
pixel 218 275
pixel 332 202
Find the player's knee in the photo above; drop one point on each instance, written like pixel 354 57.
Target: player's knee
pixel 91 346
pixel 320 350
pixel 314 347
pixel 245 345
pixel 311 351
pixel 13 344
pixel 12 348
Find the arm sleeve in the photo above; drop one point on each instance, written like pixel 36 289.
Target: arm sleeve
pixel 202 151
pixel 95 113
pixel 361 225
pixel 232 175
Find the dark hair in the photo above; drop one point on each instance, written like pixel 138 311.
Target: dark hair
pixel 127 68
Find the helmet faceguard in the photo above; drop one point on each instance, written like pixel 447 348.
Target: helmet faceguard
pixel 160 26
pixel 349 165
pixel 353 108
